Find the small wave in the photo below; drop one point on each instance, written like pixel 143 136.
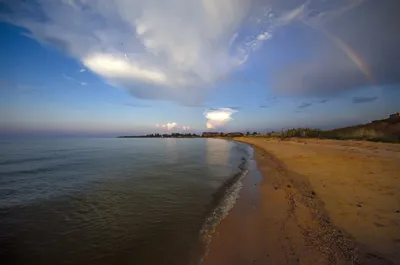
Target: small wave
pixel 24 160
pixel 224 199
pixel 43 168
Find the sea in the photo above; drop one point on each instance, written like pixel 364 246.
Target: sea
pixel 115 201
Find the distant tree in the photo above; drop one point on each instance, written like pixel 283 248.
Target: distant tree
pixel 248 133
pixel 221 134
pixel 255 133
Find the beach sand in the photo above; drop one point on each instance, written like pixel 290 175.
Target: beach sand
pixel 319 202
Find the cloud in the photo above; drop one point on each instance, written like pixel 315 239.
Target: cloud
pixel 345 56
pixel 322 101
pixel 357 100
pixel 67 77
pixel 305 105
pixel 82 70
pixel 156 49
pixel 169 126
pixel 74 80
pixel 135 105
pixel 177 49
pixel 270 102
pixel 218 117
pixel 173 47
pixel 235 108
pixel 114 66
pixel 186 128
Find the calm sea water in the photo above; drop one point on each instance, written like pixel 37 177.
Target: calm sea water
pixel 114 201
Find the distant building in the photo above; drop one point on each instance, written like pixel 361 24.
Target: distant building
pixel 210 134
pixel 235 134
pixel 395 115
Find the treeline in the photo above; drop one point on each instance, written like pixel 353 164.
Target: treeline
pixel 158 135
pixel 172 135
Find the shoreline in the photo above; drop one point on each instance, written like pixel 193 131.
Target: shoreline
pixel 296 220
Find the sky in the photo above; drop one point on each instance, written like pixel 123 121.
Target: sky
pixel 131 67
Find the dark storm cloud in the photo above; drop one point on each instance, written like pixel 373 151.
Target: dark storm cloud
pixel 371 32
pixel 357 100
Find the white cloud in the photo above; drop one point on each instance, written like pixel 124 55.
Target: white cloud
pixel 83 83
pixel 186 128
pixel 112 66
pixel 210 125
pixel 175 46
pixel 264 36
pixel 82 70
pixel 162 49
pixel 169 126
pixel 218 117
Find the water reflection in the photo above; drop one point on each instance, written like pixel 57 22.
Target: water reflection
pixel 217 152
pixel 172 150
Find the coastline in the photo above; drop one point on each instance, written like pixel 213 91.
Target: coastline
pixel 319 202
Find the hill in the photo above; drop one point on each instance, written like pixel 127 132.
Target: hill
pixel 379 130
pixel 385 130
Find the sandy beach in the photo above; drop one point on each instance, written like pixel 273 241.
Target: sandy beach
pixel 318 202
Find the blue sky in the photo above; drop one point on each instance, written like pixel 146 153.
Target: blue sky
pixel 74 67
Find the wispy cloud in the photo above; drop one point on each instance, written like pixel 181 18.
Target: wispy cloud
pixel 82 70
pixel 358 100
pixel 304 105
pixel 67 77
pixel 235 108
pixel 218 117
pixel 74 80
pixel 136 105
pixel 270 102
pixel 186 128
pixel 322 101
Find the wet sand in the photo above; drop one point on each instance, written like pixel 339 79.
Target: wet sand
pixel 319 202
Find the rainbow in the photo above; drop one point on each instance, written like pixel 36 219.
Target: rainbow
pixel 349 51
pixel 352 55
